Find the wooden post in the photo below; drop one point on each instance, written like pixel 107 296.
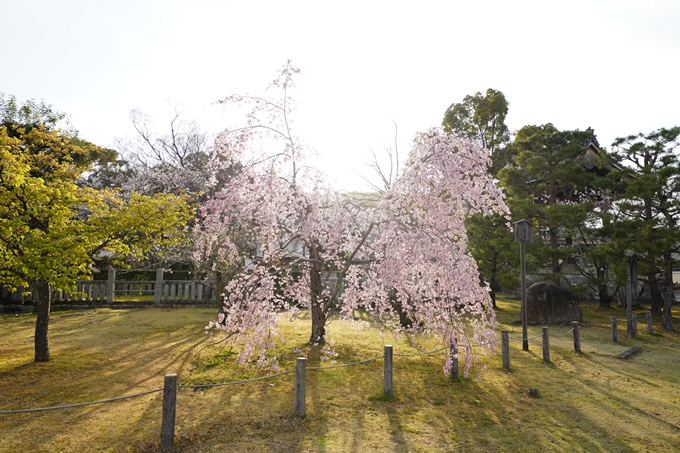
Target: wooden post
pixel 615 333
pixel 387 375
pixel 169 406
pixel 650 323
pixel 158 287
pixel 300 386
pixel 111 286
pixel 633 332
pixel 577 336
pixel 525 321
pixel 505 346
pixel 453 350
pixel 546 345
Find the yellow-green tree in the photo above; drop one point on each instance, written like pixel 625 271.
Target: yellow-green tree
pixel 50 227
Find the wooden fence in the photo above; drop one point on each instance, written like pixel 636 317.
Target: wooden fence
pixel 105 291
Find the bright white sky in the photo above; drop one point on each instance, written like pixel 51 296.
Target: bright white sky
pixel 611 65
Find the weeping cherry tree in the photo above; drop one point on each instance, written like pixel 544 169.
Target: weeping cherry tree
pixel 400 255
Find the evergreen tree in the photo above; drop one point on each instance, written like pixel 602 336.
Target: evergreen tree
pixel 651 208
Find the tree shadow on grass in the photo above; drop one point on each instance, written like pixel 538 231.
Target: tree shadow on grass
pixel 632 403
pixel 89 372
pixel 428 411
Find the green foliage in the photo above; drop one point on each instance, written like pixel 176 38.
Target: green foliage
pixel 546 182
pixel 50 227
pixel 40 238
pixel 600 255
pixel 32 114
pixel 492 245
pixel 548 165
pixel 481 117
pixel 28 121
pixel 649 204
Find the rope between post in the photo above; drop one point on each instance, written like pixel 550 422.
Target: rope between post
pixel 67 406
pixel 421 353
pixel 221 384
pixel 527 339
pixel 640 317
pixel 487 343
pixel 565 333
pixel 344 364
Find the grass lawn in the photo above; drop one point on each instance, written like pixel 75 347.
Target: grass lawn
pixel 590 402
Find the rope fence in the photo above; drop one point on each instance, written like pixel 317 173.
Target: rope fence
pixel 527 339
pixel 344 365
pixel 171 385
pixel 418 354
pixel 565 333
pixel 245 381
pixel 68 406
pixel 479 345
pixel 631 325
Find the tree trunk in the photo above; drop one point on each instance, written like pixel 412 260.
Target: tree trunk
pixel 318 326
pixel 494 280
pixel 219 291
pixel 655 293
pixel 603 288
pixel 404 320
pixel 492 294
pixel 555 263
pixel 605 298
pixel 622 298
pixel 319 314
pixel 667 319
pixel 42 295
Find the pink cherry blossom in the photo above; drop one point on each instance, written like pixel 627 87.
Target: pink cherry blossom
pixel 401 255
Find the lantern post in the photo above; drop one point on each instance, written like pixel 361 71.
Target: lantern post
pixel 524 232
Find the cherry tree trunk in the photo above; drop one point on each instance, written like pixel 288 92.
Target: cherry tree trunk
pixel 317 308
pixel 43 298
pixel 219 291
pixel 318 325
